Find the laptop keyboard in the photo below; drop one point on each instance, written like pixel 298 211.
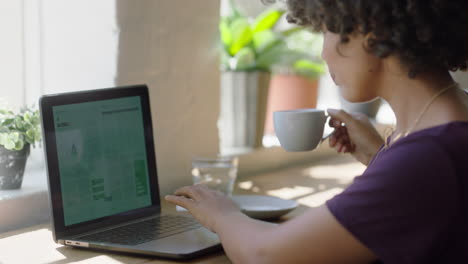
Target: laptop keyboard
pixel 141 232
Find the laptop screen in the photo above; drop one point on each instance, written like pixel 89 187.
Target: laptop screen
pixel 102 158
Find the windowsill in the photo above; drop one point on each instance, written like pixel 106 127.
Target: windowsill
pixel 34 182
pixel 28 205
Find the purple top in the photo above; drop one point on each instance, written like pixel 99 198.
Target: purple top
pixel 411 203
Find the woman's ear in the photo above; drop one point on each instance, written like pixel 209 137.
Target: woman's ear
pixel 375 62
pixel 372 45
pixel 369 42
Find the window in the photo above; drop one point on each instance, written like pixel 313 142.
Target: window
pixel 56 46
pixel 48 47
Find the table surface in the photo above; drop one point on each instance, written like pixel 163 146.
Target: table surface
pixel 309 185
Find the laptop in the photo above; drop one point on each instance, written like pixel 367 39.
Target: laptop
pixel 103 181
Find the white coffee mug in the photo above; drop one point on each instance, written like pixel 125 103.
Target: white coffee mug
pixel 300 129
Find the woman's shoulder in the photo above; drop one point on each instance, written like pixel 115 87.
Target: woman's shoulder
pixel 451 136
pixel 450 129
pixel 436 152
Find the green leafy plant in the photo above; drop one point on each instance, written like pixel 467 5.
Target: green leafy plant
pixel 19 129
pixel 256 44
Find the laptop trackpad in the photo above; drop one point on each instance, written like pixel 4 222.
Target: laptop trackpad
pixel 184 243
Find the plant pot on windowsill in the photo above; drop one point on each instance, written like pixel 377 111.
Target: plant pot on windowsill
pixel 243 108
pixel 12 164
pixel 18 131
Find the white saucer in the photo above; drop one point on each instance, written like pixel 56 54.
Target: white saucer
pixel 264 207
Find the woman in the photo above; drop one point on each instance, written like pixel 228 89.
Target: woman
pixel 411 203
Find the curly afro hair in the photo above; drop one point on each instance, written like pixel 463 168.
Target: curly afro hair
pixel 424 34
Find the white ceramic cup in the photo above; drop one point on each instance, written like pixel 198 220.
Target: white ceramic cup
pixel 300 129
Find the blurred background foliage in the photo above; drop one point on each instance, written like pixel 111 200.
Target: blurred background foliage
pixel 267 43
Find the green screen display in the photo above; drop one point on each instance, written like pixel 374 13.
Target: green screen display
pixel 102 158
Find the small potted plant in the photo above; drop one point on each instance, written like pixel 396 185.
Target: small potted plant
pixel 18 131
pixel 251 47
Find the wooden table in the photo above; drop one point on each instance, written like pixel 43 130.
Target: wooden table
pixel 309 185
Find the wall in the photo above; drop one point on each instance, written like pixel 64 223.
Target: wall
pixel 171 45
pixel 11 23
pixel 78 45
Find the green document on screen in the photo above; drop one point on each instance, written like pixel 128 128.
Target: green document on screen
pixel 102 158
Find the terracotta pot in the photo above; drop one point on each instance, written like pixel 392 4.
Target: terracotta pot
pixel 288 92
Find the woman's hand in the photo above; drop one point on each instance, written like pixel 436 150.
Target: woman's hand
pixel 354 134
pixel 206 205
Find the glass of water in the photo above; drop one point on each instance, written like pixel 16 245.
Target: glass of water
pixel 217 173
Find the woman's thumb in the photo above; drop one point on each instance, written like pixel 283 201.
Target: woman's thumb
pixel 340 115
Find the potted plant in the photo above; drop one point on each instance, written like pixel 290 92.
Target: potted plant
pixel 295 80
pixel 18 131
pixel 250 49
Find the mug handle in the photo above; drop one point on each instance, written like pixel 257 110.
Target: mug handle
pixel 327 136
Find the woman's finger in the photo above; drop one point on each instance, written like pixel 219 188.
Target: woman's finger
pixel 333 138
pixel 332 141
pixel 340 150
pixel 180 201
pixel 349 149
pixel 345 138
pixel 340 115
pixel 339 135
pixel 343 130
pixel 345 149
pixel 338 147
pixel 188 191
pixel 335 123
pixel 343 145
